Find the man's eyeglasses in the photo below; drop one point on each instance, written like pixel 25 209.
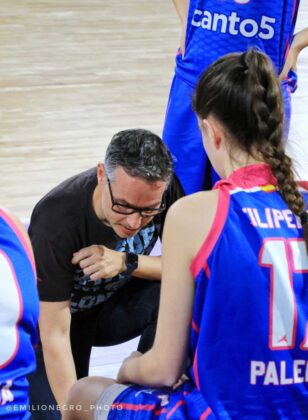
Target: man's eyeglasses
pixel 126 209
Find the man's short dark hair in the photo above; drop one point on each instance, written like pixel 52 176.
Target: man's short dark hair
pixel 140 153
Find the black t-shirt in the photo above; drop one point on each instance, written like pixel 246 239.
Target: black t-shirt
pixel 63 222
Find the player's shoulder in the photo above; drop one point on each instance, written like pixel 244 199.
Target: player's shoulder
pixel 12 220
pixel 192 205
pixel 17 226
pixel 193 215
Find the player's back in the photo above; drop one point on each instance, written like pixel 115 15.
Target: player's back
pixel 250 336
pixel 215 28
pixel 19 307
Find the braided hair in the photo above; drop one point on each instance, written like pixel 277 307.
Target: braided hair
pixel 243 92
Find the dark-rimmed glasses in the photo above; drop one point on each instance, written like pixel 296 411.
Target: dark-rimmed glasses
pixel 126 209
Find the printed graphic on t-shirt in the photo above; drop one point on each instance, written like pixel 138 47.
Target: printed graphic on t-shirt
pixel 88 293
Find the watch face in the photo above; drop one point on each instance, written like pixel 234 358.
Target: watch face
pixel 131 261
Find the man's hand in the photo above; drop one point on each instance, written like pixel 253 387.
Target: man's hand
pixel 98 261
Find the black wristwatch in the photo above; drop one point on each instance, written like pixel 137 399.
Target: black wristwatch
pixel 131 262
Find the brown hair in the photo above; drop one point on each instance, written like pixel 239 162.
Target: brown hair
pixel 243 92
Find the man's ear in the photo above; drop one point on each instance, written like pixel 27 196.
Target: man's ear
pixel 213 131
pixel 100 173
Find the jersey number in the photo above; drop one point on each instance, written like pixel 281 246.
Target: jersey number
pixel 10 313
pixel 283 258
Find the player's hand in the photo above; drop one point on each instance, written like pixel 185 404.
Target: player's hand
pixel 122 377
pixel 299 42
pixel 180 381
pixel 290 63
pixel 133 355
pixel 98 261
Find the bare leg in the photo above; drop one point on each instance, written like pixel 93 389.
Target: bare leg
pixel 83 397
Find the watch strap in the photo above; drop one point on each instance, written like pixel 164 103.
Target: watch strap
pixel 131 262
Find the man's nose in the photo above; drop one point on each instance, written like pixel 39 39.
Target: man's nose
pixel 134 220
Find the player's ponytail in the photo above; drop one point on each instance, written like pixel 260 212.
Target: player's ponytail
pixel 243 92
pixel 267 105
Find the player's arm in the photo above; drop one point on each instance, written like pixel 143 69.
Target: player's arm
pixel 165 362
pixel 299 42
pixel 181 7
pixel 54 326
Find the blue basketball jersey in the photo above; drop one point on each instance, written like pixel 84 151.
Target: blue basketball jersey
pixel 250 322
pixel 19 309
pixel 249 334
pixel 218 27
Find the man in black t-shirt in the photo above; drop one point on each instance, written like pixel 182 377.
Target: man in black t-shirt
pixel 92 236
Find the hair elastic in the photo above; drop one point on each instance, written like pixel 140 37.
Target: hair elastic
pixel 243 60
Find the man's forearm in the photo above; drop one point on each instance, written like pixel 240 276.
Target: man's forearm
pixel 60 367
pixel 148 268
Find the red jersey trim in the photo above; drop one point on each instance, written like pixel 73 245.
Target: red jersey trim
pixel 200 260
pixel 303 184
pixel 248 177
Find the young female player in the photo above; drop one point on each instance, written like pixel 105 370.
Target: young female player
pixel 19 310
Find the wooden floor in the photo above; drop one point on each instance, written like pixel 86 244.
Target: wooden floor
pixel 72 73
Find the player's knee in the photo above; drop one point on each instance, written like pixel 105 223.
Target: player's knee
pixel 75 392
pixel 82 398
pixel 77 402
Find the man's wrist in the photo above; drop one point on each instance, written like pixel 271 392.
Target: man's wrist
pixel 131 262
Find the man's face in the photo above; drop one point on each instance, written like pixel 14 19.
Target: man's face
pixel 128 191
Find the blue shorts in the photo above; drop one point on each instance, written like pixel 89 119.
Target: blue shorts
pixel 136 402
pixel 182 135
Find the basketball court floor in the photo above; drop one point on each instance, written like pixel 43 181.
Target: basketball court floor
pixel 73 73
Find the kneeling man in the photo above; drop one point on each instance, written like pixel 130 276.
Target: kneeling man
pixel 92 236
